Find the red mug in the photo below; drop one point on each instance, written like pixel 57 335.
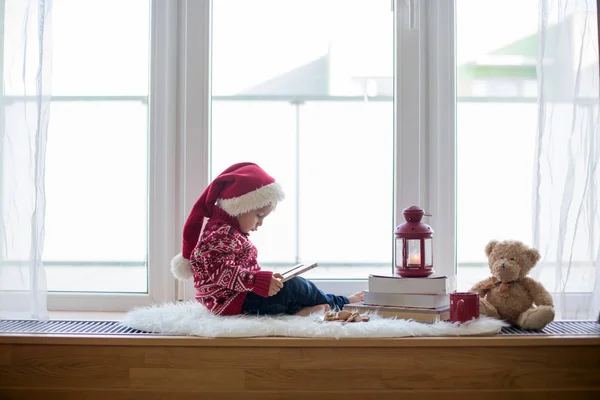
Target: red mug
pixel 464 306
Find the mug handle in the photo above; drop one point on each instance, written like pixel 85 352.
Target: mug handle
pixel 460 309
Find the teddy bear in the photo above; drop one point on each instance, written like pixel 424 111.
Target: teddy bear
pixel 510 294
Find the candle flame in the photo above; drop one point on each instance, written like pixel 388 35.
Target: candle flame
pixel 414 259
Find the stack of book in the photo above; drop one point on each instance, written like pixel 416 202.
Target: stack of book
pixel 420 299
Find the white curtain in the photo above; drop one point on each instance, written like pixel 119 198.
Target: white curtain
pixel 24 114
pixel 567 171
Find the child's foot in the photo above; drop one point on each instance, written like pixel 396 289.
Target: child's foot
pixel 314 309
pixel 357 297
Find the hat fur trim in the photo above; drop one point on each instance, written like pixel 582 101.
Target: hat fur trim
pixel 254 200
pixel 181 268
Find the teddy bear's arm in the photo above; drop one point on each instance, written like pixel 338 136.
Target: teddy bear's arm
pixel 482 287
pixel 541 297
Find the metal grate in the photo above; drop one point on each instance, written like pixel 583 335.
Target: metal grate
pixel 559 328
pixel 68 327
pixel 116 328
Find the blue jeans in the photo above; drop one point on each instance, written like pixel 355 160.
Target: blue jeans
pixel 295 294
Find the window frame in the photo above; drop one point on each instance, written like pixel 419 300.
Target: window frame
pixel 162 176
pixel 424 47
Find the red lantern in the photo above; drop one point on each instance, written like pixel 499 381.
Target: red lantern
pixel 413 250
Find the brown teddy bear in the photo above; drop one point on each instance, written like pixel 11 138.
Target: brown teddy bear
pixel 509 294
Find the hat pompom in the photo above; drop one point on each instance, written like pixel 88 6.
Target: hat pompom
pixel 181 268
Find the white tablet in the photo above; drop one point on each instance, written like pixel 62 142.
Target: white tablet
pixel 297 270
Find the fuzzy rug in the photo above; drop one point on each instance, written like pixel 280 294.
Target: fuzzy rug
pixel 192 318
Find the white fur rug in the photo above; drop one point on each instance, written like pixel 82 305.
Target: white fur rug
pixel 192 318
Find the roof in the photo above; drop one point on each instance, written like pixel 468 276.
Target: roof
pixel 311 79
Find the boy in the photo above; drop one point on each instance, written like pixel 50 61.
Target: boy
pixel 223 261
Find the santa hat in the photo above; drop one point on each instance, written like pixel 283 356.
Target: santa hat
pixel 241 188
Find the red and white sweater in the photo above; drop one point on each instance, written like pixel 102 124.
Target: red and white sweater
pixel 225 266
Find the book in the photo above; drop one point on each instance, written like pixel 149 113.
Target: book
pixel 430 301
pixel 433 284
pixel 420 315
pixel 297 270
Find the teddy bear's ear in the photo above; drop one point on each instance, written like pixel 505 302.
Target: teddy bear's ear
pixel 533 256
pixel 490 246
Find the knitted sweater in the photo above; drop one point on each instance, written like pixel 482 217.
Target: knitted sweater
pixel 225 266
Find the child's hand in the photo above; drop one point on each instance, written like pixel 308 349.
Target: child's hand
pixel 275 285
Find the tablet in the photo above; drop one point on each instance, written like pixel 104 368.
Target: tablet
pixel 297 270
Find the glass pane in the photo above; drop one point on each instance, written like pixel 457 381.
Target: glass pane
pixel 96 156
pixel 496 127
pixel 413 256
pixel 314 108
pixel 399 252
pixel 98 48
pixel 264 132
pixel 96 193
pixel 346 169
pixel 117 278
pixel 428 252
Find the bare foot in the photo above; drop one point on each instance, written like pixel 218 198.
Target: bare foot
pixel 357 297
pixel 314 309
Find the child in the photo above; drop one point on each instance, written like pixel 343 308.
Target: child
pixel 222 261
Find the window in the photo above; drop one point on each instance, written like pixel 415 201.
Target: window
pixel 360 108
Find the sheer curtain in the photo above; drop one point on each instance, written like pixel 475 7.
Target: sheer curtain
pixel 567 176
pixel 24 113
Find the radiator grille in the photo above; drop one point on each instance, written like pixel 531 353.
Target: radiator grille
pixel 116 328
pixel 68 327
pixel 559 328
